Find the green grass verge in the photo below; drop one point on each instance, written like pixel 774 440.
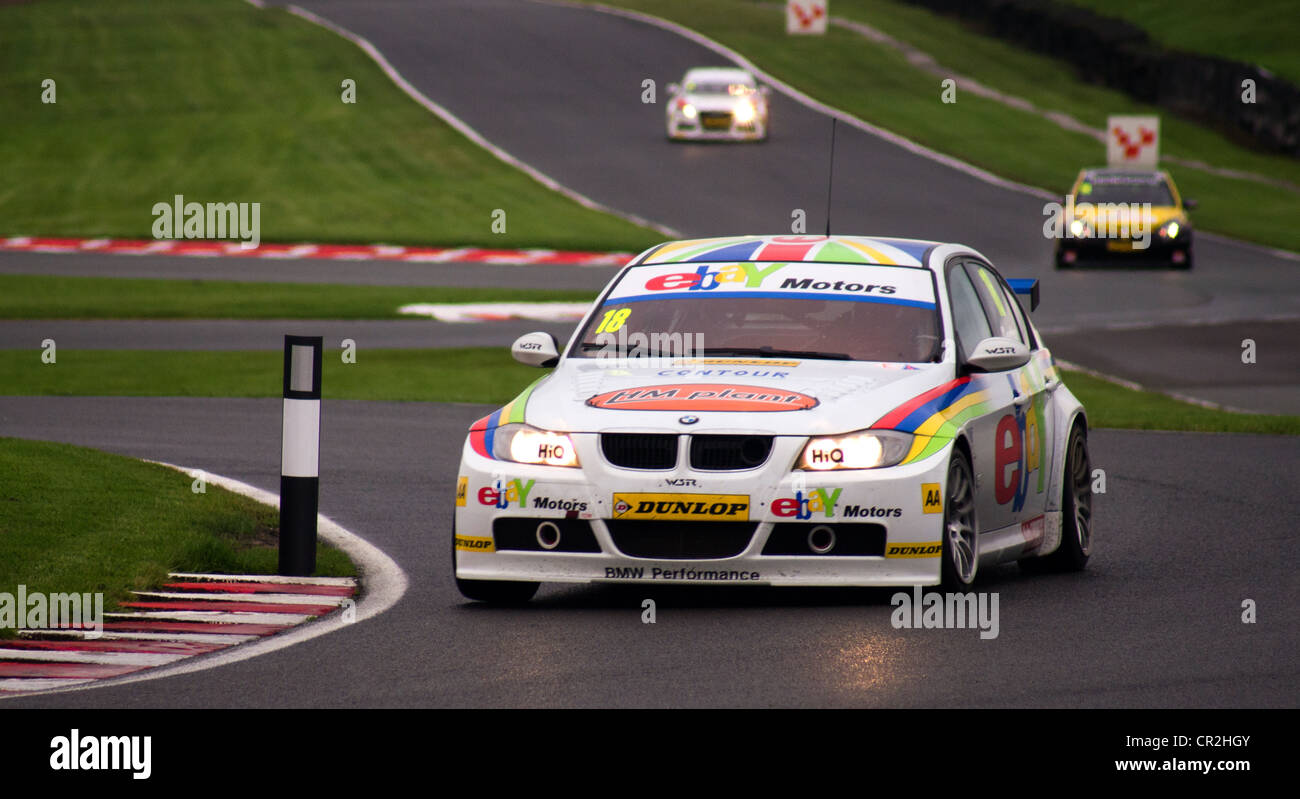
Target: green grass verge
pixel 1110 405
pixel 222 102
pixel 486 374
pixel 1255 33
pixel 61 531
pixel 878 84
pixel 52 297
pixel 481 375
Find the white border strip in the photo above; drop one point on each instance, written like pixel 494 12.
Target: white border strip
pixel 473 135
pixel 383 581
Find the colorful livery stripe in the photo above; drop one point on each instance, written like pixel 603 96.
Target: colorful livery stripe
pixel 926 404
pixel 482 433
pixel 797 249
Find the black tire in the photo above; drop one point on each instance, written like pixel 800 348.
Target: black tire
pixel 495 592
pixel 1076 512
pixel 960 532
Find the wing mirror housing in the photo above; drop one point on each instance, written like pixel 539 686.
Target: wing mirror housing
pixel 536 349
pixel 998 354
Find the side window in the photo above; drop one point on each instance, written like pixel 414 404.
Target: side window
pixel 967 311
pixel 1018 311
pixel 1001 308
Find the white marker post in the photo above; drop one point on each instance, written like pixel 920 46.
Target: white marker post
pixel 299 454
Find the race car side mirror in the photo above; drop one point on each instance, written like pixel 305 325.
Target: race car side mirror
pixel 536 349
pixel 1189 204
pixel 674 88
pixel 998 354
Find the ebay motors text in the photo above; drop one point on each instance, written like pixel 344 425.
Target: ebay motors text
pixel 752 275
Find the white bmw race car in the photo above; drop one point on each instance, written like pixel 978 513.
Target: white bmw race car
pixel 717 103
pixel 781 410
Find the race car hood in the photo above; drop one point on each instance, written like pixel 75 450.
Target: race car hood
pixel 717 102
pixel 778 397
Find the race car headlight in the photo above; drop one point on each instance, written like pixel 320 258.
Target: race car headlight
pixel 744 112
pixel 688 111
pixel 1080 229
pixel 1169 230
pixel 523 443
pixel 865 449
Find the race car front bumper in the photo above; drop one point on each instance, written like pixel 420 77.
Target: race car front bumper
pixel 1102 250
pixel 767 526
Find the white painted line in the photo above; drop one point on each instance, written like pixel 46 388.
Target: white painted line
pixel 1119 381
pixel 95 244
pixel 263 578
pixel 39 683
pixel 101 658
pixel 265 599
pixel 385 584
pixel 225 639
pixel 473 135
pixel 213 616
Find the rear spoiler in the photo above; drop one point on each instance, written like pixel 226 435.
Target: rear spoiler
pixel 1027 286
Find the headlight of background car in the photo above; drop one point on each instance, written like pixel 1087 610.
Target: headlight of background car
pixel 865 449
pixel 1080 229
pixel 523 443
pixel 1169 230
pixel 744 112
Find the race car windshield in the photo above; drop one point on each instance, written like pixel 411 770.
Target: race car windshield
pixel 1136 191
pixel 812 327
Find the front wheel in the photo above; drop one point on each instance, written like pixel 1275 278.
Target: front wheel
pixel 960 538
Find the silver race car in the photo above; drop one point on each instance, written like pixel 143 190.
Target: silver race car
pixel 724 103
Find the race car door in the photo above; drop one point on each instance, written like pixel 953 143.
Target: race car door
pixel 992 443
pixel 1022 453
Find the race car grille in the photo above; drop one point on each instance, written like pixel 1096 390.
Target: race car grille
pixel 729 453
pixel 789 538
pixel 640 450
pixel 680 540
pixel 715 120
pixel 520 535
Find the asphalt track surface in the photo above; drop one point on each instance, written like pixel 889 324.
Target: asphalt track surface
pixel 1190 526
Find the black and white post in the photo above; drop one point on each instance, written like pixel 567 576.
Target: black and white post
pixel 299 454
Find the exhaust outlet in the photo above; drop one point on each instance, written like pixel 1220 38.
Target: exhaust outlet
pixel 821 539
pixel 548 535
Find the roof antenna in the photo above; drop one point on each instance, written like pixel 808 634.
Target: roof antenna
pixel 830 178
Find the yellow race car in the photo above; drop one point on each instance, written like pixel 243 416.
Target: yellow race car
pixel 1135 216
